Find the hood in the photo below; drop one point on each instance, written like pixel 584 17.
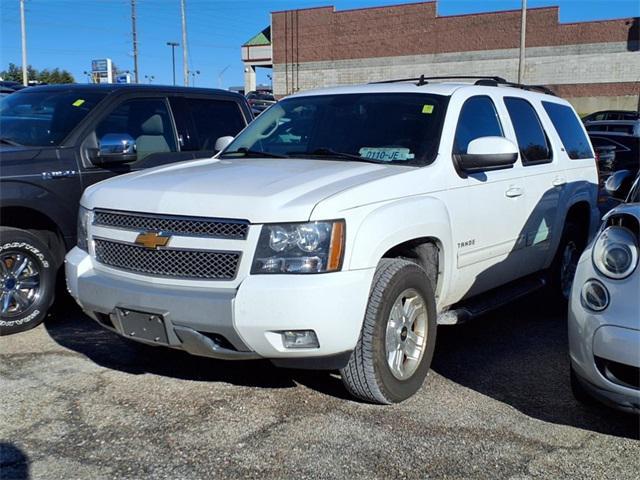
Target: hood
pixel 259 190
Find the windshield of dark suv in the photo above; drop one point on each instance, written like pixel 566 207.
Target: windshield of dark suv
pixel 392 128
pixel 43 118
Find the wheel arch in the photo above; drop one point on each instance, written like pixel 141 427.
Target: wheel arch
pixel 27 218
pixel 579 213
pixel 398 229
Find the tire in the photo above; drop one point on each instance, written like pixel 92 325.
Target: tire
pixel 25 261
pixel 368 374
pixel 572 244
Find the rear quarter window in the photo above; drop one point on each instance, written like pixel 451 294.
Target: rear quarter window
pixel 569 129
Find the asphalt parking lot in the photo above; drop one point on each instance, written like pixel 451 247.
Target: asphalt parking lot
pixel 80 402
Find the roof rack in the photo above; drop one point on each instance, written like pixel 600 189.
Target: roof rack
pixel 531 88
pixel 489 81
pixel 422 80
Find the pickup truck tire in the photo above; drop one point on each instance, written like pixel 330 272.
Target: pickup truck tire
pixel 400 318
pixel 27 280
pixel 565 262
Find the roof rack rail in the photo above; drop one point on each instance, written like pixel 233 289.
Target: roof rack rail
pixel 532 88
pixel 422 80
pixel 489 81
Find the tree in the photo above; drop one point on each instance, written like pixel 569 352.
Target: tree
pixel 14 73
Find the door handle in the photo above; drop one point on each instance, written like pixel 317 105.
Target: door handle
pixel 559 181
pixel 514 192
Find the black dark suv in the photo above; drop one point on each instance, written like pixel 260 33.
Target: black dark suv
pixel 57 140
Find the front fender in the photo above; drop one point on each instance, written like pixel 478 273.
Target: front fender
pixel 21 194
pixel 400 221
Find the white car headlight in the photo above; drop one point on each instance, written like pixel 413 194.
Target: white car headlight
pixel 313 247
pixel 615 252
pixel 83 228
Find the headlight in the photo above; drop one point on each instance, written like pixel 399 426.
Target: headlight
pixel 313 247
pixel 615 252
pixel 83 231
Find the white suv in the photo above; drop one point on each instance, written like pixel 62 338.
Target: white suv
pixel 342 226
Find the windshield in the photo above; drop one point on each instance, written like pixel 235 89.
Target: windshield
pixel 396 128
pixel 43 118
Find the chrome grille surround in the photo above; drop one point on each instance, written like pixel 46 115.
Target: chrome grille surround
pixel 168 262
pixel 174 225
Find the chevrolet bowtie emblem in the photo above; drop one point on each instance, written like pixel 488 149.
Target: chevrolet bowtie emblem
pixel 152 240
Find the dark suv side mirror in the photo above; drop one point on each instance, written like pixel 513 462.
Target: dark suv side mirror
pixel 488 153
pixel 619 184
pixel 116 148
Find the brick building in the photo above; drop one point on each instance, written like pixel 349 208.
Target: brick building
pixel 593 64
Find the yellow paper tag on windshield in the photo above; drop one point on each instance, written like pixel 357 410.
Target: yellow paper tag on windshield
pixel 427 109
pixel 78 102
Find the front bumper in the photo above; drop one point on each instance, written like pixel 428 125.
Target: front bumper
pixel 610 335
pixel 248 317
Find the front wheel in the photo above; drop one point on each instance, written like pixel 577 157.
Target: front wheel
pixel 27 280
pixel 395 348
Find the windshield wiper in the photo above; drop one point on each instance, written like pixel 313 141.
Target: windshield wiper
pixel 8 141
pixel 329 153
pixel 247 152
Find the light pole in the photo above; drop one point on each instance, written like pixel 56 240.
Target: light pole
pixel 150 78
pixel 173 46
pixel 193 76
pixel 89 76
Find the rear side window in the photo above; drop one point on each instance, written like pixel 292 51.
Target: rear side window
pixel 569 129
pixel 478 118
pixel 532 141
pixel 210 120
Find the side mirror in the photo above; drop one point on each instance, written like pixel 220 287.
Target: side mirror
pixel 488 153
pixel 116 148
pixel 222 143
pixel 619 184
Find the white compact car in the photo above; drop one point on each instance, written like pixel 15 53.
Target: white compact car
pixel 342 226
pixel 604 311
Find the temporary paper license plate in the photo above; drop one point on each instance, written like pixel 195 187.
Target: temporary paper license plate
pixel 386 154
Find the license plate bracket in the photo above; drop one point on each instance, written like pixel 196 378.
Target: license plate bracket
pixel 143 325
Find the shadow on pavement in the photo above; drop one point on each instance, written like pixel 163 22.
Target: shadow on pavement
pixel 70 328
pixel 516 355
pixel 519 355
pixel 14 463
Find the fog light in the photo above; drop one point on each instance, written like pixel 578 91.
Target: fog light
pixel 594 295
pixel 300 339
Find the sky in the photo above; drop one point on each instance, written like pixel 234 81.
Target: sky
pixel 70 33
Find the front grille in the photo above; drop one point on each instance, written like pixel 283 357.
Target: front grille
pixel 204 227
pixel 188 264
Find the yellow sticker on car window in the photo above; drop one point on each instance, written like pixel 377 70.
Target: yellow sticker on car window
pixel 428 109
pixel 78 103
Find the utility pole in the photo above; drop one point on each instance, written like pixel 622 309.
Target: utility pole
pixel 25 76
pixel 523 34
pixel 173 46
pixel 135 40
pixel 185 51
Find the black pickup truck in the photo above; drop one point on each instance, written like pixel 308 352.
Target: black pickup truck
pixel 57 140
